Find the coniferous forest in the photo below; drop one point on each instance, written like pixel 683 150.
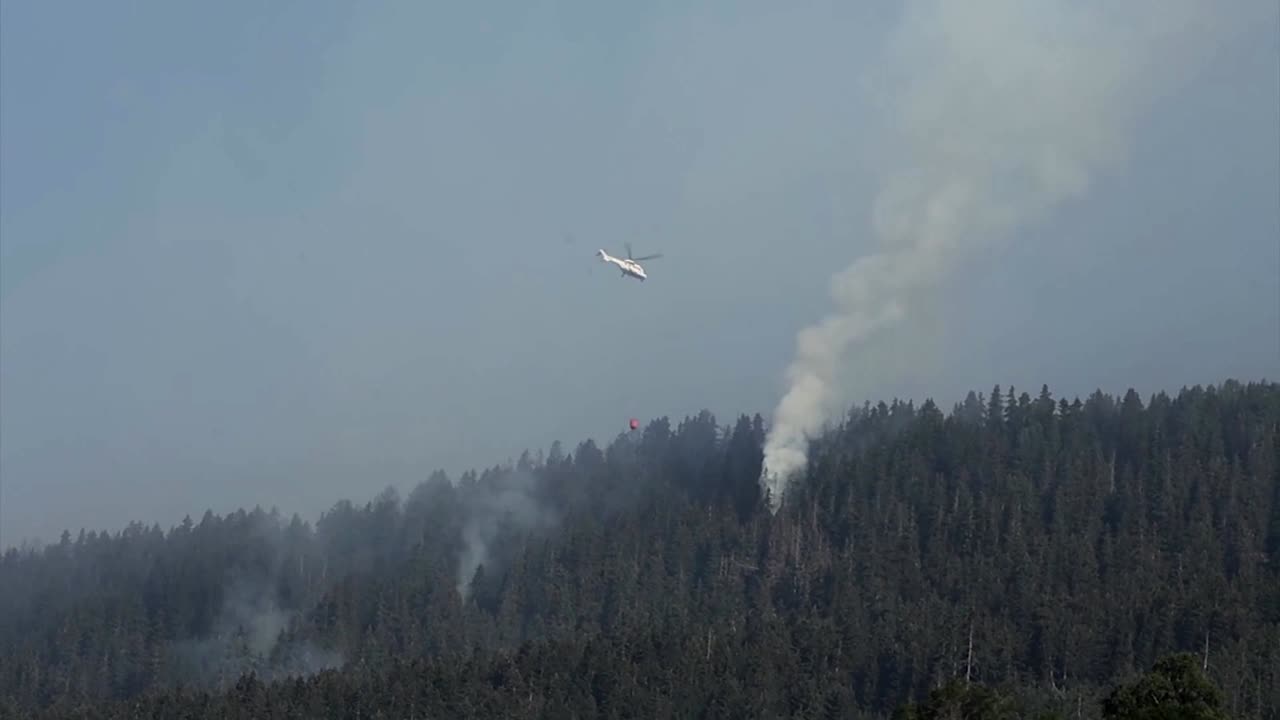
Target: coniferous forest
pixel 1020 555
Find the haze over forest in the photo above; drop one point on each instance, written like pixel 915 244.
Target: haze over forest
pixel 291 255
pixel 954 387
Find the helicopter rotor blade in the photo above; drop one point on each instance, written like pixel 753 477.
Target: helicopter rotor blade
pixel 628 246
pixel 648 257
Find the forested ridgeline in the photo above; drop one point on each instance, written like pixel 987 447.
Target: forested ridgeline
pixel 1049 549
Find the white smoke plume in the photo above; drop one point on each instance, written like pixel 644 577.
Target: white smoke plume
pixel 250 634
pixel 1006 108
pixel 509 503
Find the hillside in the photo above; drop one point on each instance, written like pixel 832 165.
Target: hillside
pixel 1048 549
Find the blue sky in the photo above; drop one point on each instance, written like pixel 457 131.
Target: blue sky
pixel 290 253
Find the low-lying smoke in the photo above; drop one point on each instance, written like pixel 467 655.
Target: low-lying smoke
pixel 510 504
pixel 1006 108
pixel 246 636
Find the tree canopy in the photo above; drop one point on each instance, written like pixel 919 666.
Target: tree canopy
pixel 1104 557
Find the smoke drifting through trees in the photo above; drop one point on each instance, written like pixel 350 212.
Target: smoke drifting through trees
pixel 928 547
pixel 251 634
pixel 507 504
pixel 1006 109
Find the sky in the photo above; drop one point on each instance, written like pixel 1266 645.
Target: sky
pixel 288 254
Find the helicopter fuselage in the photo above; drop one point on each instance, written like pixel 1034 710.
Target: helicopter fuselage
pixel 629 268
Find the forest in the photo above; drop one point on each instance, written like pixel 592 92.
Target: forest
pixel 1017 556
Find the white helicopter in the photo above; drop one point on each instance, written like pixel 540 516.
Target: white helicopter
pixel 628 265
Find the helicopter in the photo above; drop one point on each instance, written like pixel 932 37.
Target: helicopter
pixel 628 265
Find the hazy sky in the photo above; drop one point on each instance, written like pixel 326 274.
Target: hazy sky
pixel 292 252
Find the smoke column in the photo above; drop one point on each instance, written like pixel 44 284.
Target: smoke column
pixel 511 501
pixel 1004 109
